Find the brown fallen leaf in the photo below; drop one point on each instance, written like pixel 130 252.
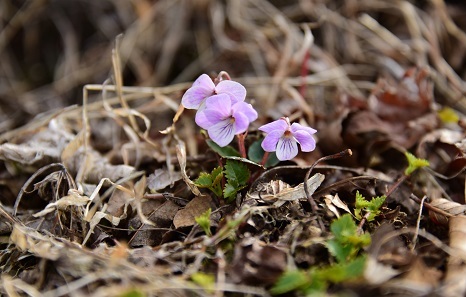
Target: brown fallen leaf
pixel 451 207
pixel 186 217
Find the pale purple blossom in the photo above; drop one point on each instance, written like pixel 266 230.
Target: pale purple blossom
pixel 203 87
pixel 223 118
pixel 283 138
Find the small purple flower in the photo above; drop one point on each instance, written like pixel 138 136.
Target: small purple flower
pixel 284 138
pixel 223 118
pixel 203 87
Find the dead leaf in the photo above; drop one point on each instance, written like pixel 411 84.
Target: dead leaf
pixel 185 217
pixel 161 179
pixel 333 201
pixel 451 207
pixel 181 154
pixel 277 191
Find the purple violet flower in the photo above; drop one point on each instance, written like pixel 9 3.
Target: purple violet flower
pixel 203 87
pixel 284 138
pixel 223 118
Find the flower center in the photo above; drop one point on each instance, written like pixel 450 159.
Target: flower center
pixel 287 134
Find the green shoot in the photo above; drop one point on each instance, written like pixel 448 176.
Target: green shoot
pixel 204 221
pixel 212 181
pixel 344 246
pixel 414 163
pixel 372 208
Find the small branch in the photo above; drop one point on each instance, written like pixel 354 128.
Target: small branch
pixel 396 185
pixel 363 221
pixel 430 207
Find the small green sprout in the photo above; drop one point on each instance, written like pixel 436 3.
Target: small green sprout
pixel 204 221
pixel 212 181
pixel 372 207
pixel 414 163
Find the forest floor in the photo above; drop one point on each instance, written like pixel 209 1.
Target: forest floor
pixel 109 188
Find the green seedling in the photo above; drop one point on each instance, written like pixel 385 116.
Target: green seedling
pixel 369 208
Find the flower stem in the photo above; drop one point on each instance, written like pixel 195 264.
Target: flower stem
pixel 264 158
pixel 242 148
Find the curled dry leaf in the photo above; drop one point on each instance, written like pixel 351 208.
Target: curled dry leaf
pixel 451 207
pixel 277 191
pixel 74 198
pixel 181 154
pixel 333 201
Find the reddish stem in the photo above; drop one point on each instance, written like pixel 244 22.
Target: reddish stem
pixel 264 158
pixel 242 148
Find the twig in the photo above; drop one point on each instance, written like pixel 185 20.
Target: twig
pixel 430 207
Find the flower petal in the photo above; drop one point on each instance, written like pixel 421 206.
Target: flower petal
pixel 232 88
pixel 204 81
pixel 280 125
pixel 194 97
pixel 246 109
pixel 202 88
pixel 287 148
pixel 201 118
pixel 296 127
pixel 241 123
pixel 269 144
pixel 222 133
pixel 220 103
pixel 306 140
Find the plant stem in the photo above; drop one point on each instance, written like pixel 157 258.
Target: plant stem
pixel 264 158
pixel 396 185
pixel 242 148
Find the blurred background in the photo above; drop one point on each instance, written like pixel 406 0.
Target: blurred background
pixel 50 49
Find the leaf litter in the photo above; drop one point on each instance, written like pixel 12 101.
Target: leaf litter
pixel 118 193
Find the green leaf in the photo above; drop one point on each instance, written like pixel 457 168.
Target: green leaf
pixel 341 272
pixel 414 163
pixel 211 181
pixel 290 281
pixel 204 221
pixel 340 251
pixel 204 180
pixel 347 241
pixel 256 153
pixel 236 172
pixel 227 151
pixel 373 206
pixel 343 227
